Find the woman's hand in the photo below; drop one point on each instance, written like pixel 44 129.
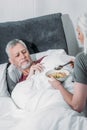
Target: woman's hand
pixel 72 63
pixel 35 68
pixel 55 83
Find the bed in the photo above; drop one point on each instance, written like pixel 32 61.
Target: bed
pixel 34 104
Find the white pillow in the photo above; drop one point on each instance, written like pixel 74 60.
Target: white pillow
pixel 55 59
pixel 37 56
pixel 3 83
pixel 14 75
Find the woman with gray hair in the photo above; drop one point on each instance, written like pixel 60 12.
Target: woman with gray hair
pixel 82 27
pixel 78 99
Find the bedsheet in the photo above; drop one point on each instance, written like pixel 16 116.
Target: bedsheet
pixel 53 117
pixel 35 105
pixel 10 115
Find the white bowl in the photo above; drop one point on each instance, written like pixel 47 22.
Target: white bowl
pixel 60 75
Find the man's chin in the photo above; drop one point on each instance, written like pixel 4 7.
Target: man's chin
pixel 25 66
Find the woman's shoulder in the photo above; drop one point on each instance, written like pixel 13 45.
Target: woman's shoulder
pixel 81 58
pixel 81 55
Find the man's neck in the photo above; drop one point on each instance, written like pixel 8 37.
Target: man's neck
pixel 26 71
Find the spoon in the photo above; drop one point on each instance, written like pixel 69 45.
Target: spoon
pixel 61 66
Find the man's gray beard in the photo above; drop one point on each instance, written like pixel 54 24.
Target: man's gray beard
pixel 26 66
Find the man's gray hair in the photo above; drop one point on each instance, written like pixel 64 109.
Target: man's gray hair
pixel 13 43
pixel 82 23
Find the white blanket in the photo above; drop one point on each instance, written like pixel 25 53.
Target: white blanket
pixel 10 115
pixel 3 83
pixel 45 107
pixel 36 92
pixel 52 117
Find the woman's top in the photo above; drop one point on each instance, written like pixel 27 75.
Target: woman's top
pixel 80 68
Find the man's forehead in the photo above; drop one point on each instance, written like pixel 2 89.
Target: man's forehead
pixel 17 48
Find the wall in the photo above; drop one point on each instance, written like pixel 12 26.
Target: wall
pixel 74 8
pixel 11 10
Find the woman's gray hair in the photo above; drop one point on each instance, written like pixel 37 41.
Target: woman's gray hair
pixel 82 23
pixel 13 43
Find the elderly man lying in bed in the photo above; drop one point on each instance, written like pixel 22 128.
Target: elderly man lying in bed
pixel 19 56
pixel 35 92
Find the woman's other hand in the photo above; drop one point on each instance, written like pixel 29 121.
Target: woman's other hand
pixel 55 83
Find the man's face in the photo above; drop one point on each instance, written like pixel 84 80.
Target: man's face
pixel 20 57
pixel 80 35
